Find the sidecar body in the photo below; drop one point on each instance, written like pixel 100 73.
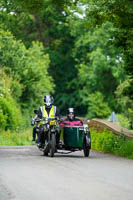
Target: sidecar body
pixel 76 138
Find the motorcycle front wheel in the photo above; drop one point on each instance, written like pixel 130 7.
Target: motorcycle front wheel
pixel 52 145
pixel 46 148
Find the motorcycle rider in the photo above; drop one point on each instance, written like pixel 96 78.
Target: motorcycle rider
pixel 48 110
pixel 71 120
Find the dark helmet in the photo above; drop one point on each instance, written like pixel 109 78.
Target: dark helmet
pixel 48 100
pixel 70 114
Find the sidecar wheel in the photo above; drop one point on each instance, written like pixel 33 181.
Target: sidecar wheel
pixel 86 148
pixel 86 152
pixel 52 145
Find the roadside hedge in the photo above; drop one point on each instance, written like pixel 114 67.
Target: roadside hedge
pixel 109 143
pixel 10 138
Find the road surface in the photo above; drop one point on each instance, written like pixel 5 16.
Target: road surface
pixel 27 175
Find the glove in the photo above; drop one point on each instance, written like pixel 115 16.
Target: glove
pixel 62 119
pixel 57 118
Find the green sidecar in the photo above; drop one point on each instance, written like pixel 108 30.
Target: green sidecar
pixel 76 138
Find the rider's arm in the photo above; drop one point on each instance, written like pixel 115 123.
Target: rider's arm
pixel 33 120
pixel 64 122
pixel 78 122
pixel 40 113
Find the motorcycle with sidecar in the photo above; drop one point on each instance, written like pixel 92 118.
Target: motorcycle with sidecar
pixel 73 138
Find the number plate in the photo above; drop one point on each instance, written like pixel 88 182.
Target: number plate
pixel 52 122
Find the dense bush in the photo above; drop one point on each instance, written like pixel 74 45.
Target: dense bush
pixel 11 117
pixel 10 112
pixel 110 143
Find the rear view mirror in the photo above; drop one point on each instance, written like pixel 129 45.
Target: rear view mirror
pixel 36 111
pixel 62 119
pixel 85 125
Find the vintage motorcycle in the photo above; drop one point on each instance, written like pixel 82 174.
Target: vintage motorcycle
pixel 48 128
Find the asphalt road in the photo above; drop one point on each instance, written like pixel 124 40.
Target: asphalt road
pixel 27 175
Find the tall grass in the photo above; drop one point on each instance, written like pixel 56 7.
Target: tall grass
pixel 108 142
pixel 15 139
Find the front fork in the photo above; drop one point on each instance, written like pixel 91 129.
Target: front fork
pixel 50 136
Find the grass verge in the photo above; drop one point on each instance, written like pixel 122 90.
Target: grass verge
pixel 109 143
pixel 16 139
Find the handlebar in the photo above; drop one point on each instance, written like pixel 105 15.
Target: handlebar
pixel 47 119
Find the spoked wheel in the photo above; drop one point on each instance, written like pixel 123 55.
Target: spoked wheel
pixel 52 145
pixel 86 148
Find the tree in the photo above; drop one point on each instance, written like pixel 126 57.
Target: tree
pixel 124 100
pixel 47 23
pixel 28 68
pixel 100 63
pixel 89 45
pixel 120 13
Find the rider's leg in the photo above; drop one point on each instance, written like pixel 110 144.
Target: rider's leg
pixel 34 134
pixel 40 137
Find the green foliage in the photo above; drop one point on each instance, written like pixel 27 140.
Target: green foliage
pixel 10 113
pixel 28 68
pixel 130 111
pixel 14 139
pixel 24 82
pixel 110 143
pixel 12 118
pixel 124 121
pixel 46 22
pixel 90 51
pixel 97 107
pixel 3 119
pixel 120 13
pixel 99 62
pixel 124 100
pixel 126 149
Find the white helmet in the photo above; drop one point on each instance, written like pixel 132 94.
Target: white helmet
pixel 48 100
pixel 70 114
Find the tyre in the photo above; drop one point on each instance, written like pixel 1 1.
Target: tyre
pixel 86 148
pixel 46 148
pixel 52 145
pixel 89 138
